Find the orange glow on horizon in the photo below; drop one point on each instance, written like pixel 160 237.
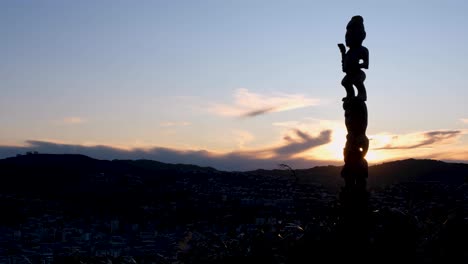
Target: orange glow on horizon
pixel 383 147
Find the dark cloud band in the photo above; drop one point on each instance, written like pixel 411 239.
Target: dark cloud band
pixel 233 161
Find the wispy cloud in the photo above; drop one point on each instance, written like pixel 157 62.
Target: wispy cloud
pixel 174 124
pixel 249 104
pixel 302 142
pixel 73 120
pixel 259 112
pixel 417 140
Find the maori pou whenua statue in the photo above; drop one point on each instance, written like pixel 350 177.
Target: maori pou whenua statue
pixel 357 57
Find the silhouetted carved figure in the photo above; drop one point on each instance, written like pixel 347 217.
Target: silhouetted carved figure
pixel 354 221
pixel 351 60
pixel 357 144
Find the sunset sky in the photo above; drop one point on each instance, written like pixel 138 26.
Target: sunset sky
pixel 231 84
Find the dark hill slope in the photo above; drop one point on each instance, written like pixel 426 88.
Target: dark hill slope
pixel 383 174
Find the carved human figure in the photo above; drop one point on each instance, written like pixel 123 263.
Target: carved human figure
pixel 355 59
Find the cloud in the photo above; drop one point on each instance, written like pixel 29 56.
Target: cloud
pixel 267 158
pixel 464 120
pixel 423 139
pixel 248 104
pixel 174 124
pixel 302 143
pixel 258 112
pixel 73 120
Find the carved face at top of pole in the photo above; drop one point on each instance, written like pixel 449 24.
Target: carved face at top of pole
pixel 355 32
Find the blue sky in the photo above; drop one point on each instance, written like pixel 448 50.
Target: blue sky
pixel 179 74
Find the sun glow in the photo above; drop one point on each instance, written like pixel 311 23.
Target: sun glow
pixel 333 151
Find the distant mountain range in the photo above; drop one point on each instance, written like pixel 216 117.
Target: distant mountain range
pixel 65 172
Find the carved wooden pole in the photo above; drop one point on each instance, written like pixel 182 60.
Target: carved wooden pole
pixel 354 215
pixel 354 60
pixel 355 169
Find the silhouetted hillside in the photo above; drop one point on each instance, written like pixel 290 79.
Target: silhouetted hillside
pixel 49 170
pixel 417 170
pixel 384 174
pixel 81 163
